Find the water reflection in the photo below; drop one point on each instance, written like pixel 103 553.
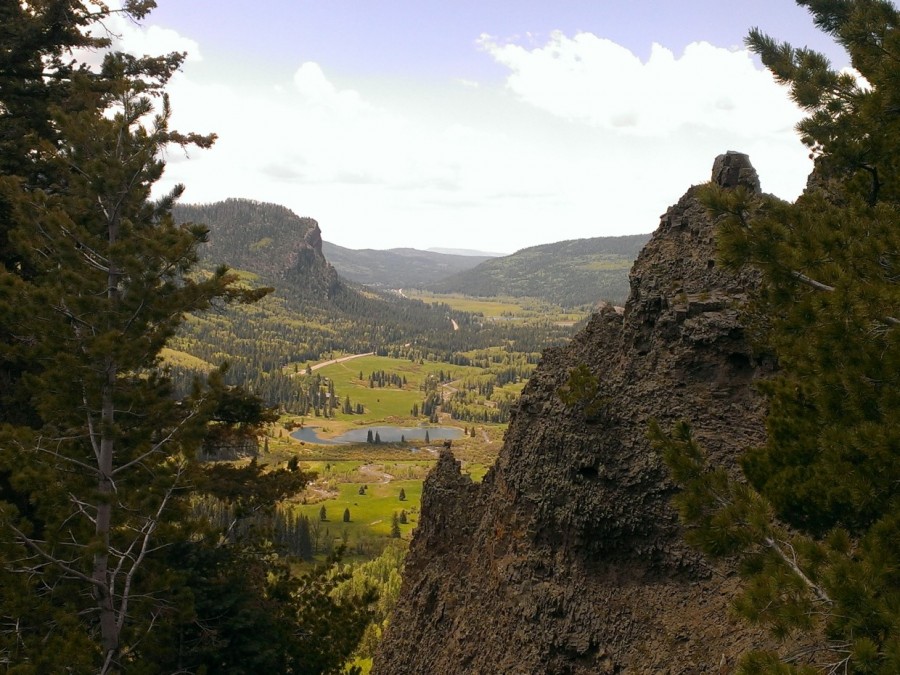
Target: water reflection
pixel 387 434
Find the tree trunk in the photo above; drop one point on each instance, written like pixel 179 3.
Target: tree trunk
pixel 109 630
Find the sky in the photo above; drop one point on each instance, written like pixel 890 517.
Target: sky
pixel 489 125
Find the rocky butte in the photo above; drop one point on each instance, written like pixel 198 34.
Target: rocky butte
pixel 568 557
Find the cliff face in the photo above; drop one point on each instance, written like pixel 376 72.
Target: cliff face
pixel 268 240
pixel 309 271
pixel 568 557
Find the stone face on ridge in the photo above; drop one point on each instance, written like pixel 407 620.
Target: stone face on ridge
pixel 568 557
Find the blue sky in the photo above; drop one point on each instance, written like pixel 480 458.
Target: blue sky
pixel 492 125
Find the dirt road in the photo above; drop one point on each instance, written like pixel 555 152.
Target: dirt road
pixel 340 360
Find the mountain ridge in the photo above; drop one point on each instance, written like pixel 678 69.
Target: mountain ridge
pixel 570 273
pixel 398 267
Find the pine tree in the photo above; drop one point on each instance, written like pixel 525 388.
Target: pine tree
pixel 395 526
pixel 829 311
pixel 101 279
pixel 347 515
pixel 402 495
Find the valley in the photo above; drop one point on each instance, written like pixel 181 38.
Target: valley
pixel 337 358
pixel 230 446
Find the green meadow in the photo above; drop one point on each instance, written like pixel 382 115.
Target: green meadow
pixel 500 308
pixel 370 513
pixel 388 403
pixel 341 470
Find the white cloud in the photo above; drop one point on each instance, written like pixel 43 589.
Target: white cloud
pixel 590 79
pixel 312 84
pixel 582 140
pixel 154 40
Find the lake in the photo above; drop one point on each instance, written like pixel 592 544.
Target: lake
pixel 387 434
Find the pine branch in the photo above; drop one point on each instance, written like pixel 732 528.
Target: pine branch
pixel 157 446
pixel 819 286
pixel 791 561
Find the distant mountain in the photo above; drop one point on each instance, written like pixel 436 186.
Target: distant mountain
pixel 397 267
pixel 319 308
pixel 466 252
pixel 569 273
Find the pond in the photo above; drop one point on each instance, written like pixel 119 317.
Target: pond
pixel 387 434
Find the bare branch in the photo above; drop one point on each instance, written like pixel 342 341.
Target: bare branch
pixel 818 285
pixel 152 524
pixel 157 446
pixel 68 569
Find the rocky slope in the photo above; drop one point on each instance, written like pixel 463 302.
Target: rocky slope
pixel 568 557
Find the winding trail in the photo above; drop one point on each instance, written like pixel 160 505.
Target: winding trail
pixel 370 470
pixel 340 360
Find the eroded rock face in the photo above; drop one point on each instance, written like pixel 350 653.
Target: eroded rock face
pixel 313 238
pixel 309 269
pixel 568 557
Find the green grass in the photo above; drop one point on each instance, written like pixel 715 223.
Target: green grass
pixel 370 514
pixel 173 357
pixel 502 308
pixel 364 665
pixel 381 403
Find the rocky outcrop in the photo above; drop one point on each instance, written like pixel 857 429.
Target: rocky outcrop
pixel 268 240
pixel 309 271
pixel 568 558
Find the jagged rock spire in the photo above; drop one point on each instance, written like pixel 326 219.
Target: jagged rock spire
pixel 569 557
pixel 733 169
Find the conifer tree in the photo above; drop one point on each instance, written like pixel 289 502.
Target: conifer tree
pixel 829 310
pixel 395 526
pixel 94 278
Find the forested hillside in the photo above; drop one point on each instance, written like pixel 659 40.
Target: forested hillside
pixel 248 235
pixel 397 267
pixel 312 311
pixel 568 273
